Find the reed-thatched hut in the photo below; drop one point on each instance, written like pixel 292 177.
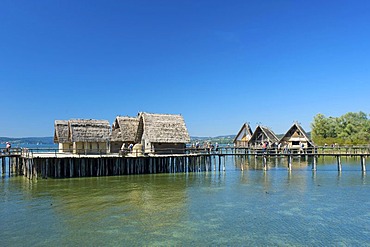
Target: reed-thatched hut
pixel 89 136
pixel 262 135
pixel 163 133
pixel 61 136
pixel 296 138
pixel 124 131
pixel 244 135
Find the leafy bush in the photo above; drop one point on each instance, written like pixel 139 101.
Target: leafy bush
pixel 351 128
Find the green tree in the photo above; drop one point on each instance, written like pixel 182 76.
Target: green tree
pixel 351 128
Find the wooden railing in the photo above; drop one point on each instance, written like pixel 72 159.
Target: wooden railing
pixel 321 150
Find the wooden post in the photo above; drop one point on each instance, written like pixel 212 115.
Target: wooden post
pixel 3 166
pixel 363 163
pixel 34 169
pixel 91 167
pixel 264 160
pixel 71 168
pixel 10 165
pixel 219 161
pixel 289 163
pixel 314 164
pixel 46 168
pixel 219 166
pixel 28 165
pixel 339 163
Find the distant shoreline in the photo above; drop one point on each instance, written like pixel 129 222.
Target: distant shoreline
pixel 49 140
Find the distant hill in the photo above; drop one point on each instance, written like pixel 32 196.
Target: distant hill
pixel 27 140
pixel 225 139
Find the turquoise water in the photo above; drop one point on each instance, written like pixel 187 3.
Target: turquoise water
pixel 243 206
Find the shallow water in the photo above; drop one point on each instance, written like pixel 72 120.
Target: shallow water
pixel 243 206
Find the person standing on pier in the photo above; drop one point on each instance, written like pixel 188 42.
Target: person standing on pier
pixel 8 146
pixel 131 146
pixel 264 146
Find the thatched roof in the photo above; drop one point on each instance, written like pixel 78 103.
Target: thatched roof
pixel 265 133
pixel 61 131
pixel 245 132
pixel 298 127
pixel 164 128
pixel 89 130
pixel 124 129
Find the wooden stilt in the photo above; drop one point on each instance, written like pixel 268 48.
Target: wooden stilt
pixel 264 160
pixel 3 165
pixel 339 163
pixel 363 164
pixel 289 163
pixel 314 164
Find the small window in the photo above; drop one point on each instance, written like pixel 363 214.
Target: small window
pixel 295 143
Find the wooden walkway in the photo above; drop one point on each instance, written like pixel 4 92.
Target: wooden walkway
pixel 35 164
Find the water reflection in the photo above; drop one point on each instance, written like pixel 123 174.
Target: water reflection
pixel 257 163
pixel 245 205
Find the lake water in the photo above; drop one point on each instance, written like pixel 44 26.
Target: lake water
pixel 243 206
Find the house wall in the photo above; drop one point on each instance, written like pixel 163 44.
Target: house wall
pixel 90 147
pixel 65 147
pixel 169 148
pixel 115 147
pixel 294 142
pixel 242 140
pixel 241 144
pixel 257 141
pixel 147 146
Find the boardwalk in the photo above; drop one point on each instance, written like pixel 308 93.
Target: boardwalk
pixel 35 163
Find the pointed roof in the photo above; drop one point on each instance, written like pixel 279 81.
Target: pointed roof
pixel 266 132
pixel 125 129
pixel 244 131
pixel 293 128
pixel 164 128
pixel 88 130
pixel 61 131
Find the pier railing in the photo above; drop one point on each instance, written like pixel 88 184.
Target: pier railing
pixel 54 163
pixel 320 150
pixel 10 152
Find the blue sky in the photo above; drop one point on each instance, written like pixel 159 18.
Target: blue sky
pixel 218 63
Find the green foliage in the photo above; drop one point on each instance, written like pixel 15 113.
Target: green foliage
pixel 351 128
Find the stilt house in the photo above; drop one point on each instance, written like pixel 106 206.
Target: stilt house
pixel 124 131
pixel 81 136
pixel 61 134
pixel 163 133
pixel 243 136
pixel 261 135
pixel 295 137
pixel 89 136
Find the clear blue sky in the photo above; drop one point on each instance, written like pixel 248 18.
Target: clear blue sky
pixel 218 63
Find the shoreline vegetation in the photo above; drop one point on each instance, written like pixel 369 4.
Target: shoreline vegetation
pixel 226 139
pixel 349 129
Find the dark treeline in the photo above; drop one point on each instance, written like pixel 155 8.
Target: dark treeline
pixel 350 128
